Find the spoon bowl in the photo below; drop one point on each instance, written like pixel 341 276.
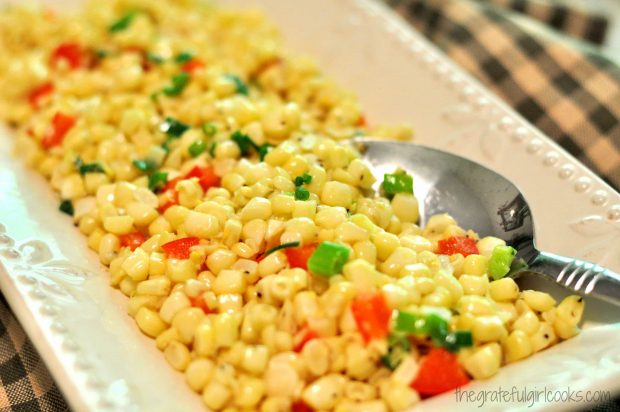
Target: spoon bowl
pixel 480 199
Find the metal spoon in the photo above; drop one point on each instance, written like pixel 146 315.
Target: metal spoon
pixel 488 203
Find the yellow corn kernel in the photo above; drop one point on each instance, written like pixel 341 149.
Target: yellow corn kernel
pixel 337 194
pixel 485 361
pixel 474 285
pixel 198 373
pixel 149 322
pixel 528 322
pixel 476 305
pixel 504 289
pixel 177 355
pixel 488 329
pixel 220 259
pixel 539 301
pixel 325 392
pixel 475 265
pixel 215 395
pixel 229 281
pixel 159 225
pixel 517 346
pixel 108 247
pixel 172 305
pixel 255 359
pixel 118 225
pixel 405 206
pixel 180 270
pixel 185 321
pixel 416 243
pixel 226 329
pixel 141 213
pixel 256 208
pixel 545 336
pixel 136 302
pixel 385 243
pixel 137 265
pixel 190 193
pixel 487 244
pixel 204 339
pixel 249 391
pixel 154 287
pixel 201 225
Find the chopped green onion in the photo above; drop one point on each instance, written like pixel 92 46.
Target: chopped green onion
pixel 263 150
pixel 398 347
pixel 212 150
pixel 66 207
pixel 397 183
pixel 197 148
pixel 84 168
pixel 303 179
pixel 101 53
pixel 240 86
pixel 500 261
pixel 328 259
pixel 518 264
pixel 282 246
pixel 122 23
pixel 437 328
pixel 144 165
pixel 173 127
pixel 157 180
pixel 179 81
pixel 183 57
pixel 410 323
pixel 457 340
pixel 209 129
pixel 154 58
pixel 301 193
pixel 91 168
pixel 244 142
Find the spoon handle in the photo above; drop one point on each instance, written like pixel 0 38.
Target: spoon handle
pixel 582 277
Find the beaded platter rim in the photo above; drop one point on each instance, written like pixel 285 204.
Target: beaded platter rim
pixel 30 266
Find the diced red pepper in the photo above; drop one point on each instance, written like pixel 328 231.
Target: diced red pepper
pixel 199 302
pixel 362 122
pixel 192 65
pixel 457 244
pixel 439 372
pixel 36 96
pixel 206 177
pixel 132 240
pixel 61 124
pixel 180 248
pixel 72 53
pixel 372 315
pixel 298 256
pixel 301 406
pixel 304 336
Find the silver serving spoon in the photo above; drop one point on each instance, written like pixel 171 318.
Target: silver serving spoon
pixel 488 203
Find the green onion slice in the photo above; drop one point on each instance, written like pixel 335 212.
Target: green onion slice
pixel 328 259
pixel 66 207
pixel 394 183
pixel 158 180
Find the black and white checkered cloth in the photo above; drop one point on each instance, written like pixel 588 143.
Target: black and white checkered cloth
pixel 573 96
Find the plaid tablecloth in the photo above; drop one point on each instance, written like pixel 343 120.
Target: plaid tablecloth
pixel 572 95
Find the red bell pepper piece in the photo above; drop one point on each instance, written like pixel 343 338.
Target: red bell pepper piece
pixel 298 256
pixel 39 93
pixel 362 122
pixel 72 53
pixel 61 124
pixel 457 244
pixel 180 248
pixel 206 177
pixel 301 406
pixel 304 336
pixel 132 240
pixel 439 372
pixel 199 302
pixel 192 65
pixel 372 315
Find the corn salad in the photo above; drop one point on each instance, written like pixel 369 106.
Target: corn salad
pixel 204 166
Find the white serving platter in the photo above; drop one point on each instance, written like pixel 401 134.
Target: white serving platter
pixel 101 361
